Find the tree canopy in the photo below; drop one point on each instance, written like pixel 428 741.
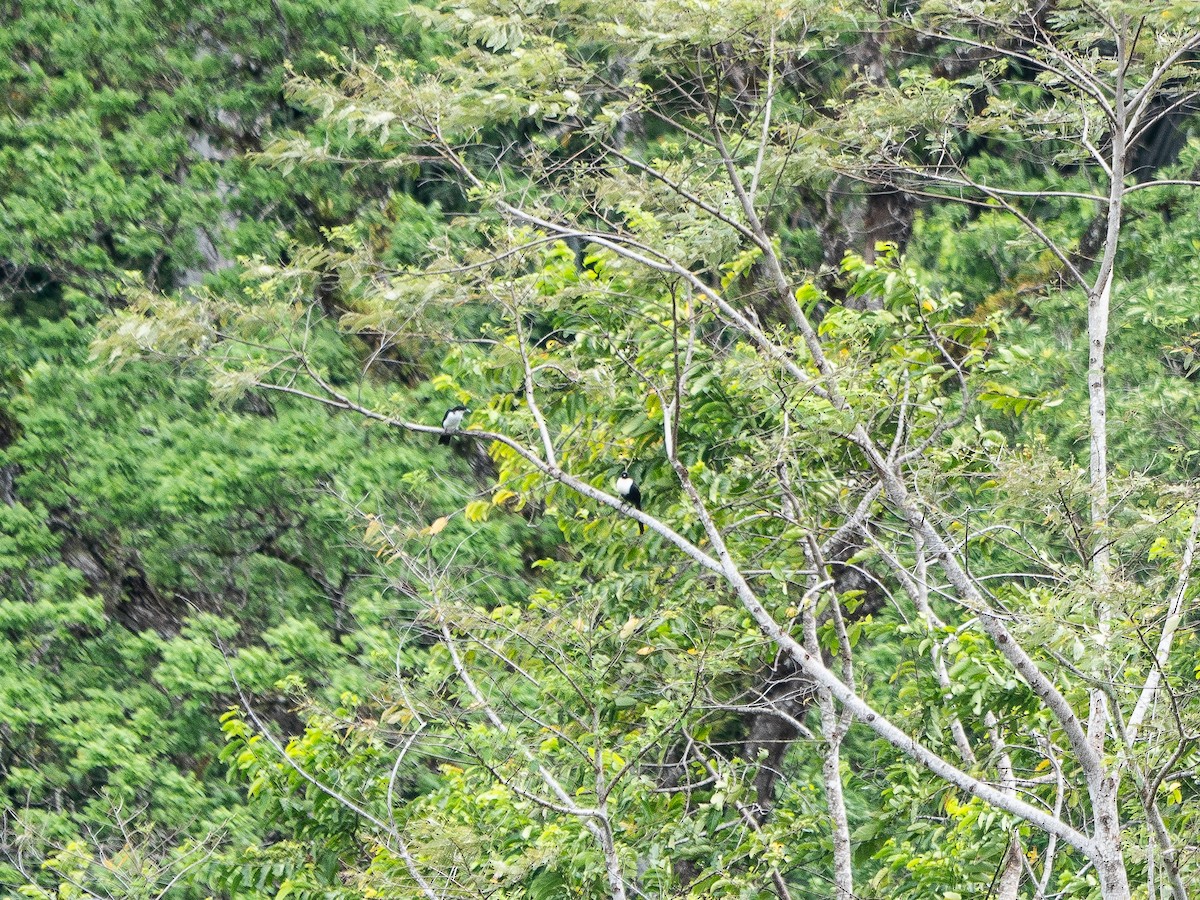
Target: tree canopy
pixel 889 311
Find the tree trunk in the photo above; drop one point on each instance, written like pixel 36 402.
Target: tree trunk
pixel 1109 859
pixel 831 774
pixel 1102 786
pixel 1009 882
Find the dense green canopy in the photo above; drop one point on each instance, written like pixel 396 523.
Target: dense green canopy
pixel 890 310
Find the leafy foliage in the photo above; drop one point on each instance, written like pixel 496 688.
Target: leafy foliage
pixel 818 277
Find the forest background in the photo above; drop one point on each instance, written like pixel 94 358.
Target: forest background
pixel 890 309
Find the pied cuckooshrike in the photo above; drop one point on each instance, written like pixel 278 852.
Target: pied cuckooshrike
pixel 451 422
pixel 629 492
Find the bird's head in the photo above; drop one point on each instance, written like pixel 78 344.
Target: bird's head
pixel 624 473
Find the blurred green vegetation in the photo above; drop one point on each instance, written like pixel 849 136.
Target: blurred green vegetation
pixel 175 541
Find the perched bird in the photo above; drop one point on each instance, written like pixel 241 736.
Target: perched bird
pixel 629 492
pixel 451 422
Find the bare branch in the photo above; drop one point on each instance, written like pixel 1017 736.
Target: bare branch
pixel 1167 638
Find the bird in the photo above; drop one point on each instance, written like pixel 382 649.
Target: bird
pixel 451 422
pixel 629 492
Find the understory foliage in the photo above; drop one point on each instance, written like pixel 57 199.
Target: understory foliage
pixel 891 315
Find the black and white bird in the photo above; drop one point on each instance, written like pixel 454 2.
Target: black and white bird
pixel 629 492
pixel 451 422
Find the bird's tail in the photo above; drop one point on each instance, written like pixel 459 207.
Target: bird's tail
pixel 641 528
pixel 444 439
